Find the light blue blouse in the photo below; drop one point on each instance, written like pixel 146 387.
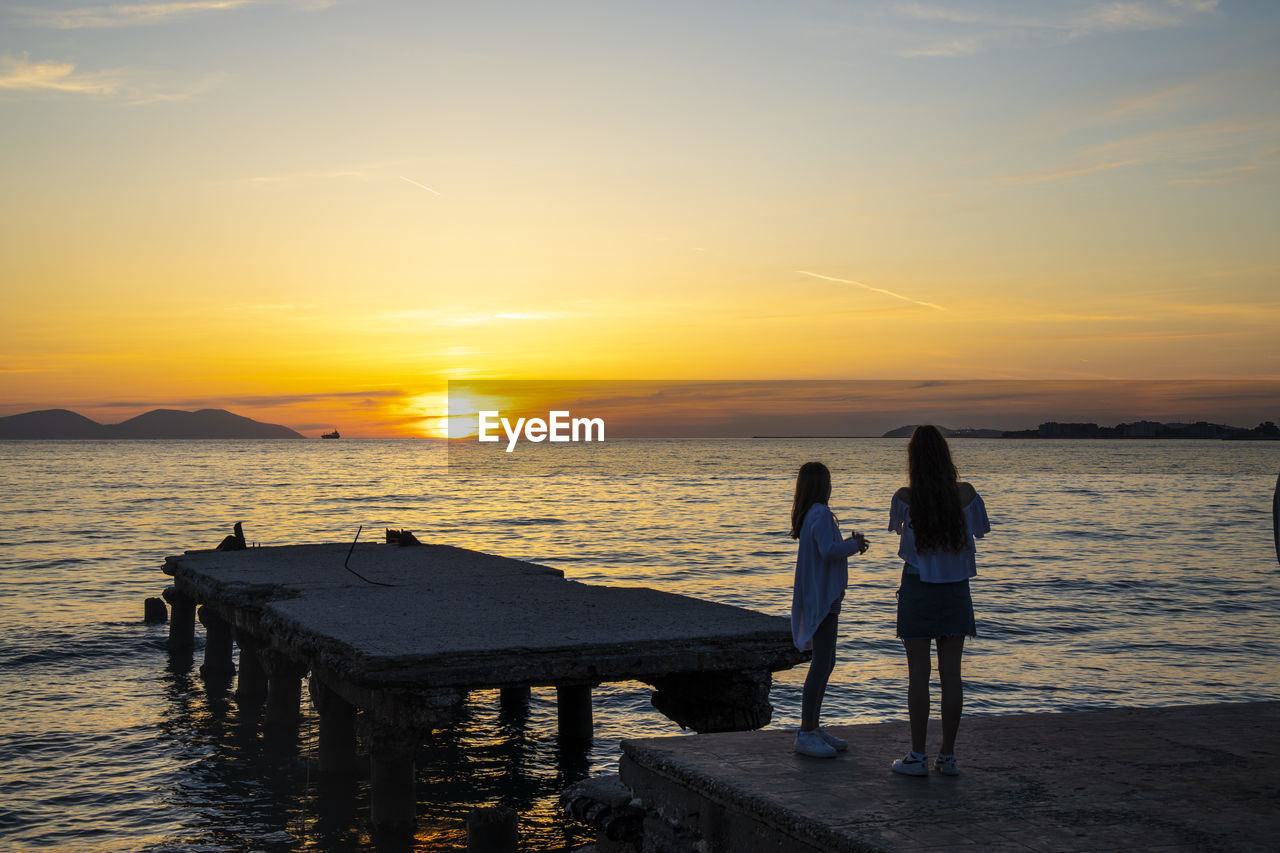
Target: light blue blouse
pixel 940 566
pixel 822 572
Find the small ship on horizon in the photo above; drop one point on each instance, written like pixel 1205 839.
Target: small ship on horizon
pixel 333 434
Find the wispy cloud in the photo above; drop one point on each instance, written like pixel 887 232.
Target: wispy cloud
pixel 1063 174
pixel 372 170
pixel 101 15
pixel 268 308
pixel 131 85
pixel 963 46
pixel 476 318
pixel 305 176
pixel 872 289
pixel 1204 152
pixel 420 186
pixel 980 27
pixel 21 74
pixel 253 399
pixel 1148 101
pixel 501 317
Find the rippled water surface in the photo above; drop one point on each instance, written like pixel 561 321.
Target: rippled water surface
pixel 1116 573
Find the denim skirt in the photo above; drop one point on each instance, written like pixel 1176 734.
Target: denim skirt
pixel 930 610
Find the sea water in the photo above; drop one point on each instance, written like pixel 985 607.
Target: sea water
pixel 1117 573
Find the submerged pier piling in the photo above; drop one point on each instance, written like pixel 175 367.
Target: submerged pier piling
pixel 218 646
pixel 182 620
pixel 284 687
pixel 337 735
pixel 251 677
pixel 573 711
pixel 443 621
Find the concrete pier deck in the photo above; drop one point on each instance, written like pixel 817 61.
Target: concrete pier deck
pixel 1160 779
pixel 455 618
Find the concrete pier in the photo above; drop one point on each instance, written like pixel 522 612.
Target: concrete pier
pixel 405 655
pixel 284 687
pixel 182 622
pixel 218 645
pixel 251 677
pixel 337 734
pixel 1158 779
pixel 573 711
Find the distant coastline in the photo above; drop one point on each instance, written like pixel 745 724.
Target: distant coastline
pixel 1266 431
pixel 63 424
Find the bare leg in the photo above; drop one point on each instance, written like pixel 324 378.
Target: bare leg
pixel 950 650
pixel 919 668
pixel 815 683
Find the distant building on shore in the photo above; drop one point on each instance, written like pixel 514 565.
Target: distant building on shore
pixel 1053 429
pixel 1266 431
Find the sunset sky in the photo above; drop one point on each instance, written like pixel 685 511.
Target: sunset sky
pixel 317 213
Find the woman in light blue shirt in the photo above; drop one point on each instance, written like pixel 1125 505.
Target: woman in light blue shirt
pixel 822 573
pixel 938 518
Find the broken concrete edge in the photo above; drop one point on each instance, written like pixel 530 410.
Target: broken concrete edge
pixel 365 548
pixel 248 608
pixel 600 662
pixel 624 821
pixel 696 792
pixel 606 805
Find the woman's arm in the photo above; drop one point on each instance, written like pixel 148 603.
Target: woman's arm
pixel 830 544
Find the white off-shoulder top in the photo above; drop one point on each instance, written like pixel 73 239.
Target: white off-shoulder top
pixel 940 566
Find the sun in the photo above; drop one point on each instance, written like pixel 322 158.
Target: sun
pixel 453 414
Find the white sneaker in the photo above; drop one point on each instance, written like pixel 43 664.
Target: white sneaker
pixel 913 764
pixel 812 745
pixel 946 765
pixel 834 742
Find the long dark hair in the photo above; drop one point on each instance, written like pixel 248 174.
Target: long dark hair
pixel 936 516
pixel 813 486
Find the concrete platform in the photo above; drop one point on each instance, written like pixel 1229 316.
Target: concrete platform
pixel 1161 779
pixel 456 618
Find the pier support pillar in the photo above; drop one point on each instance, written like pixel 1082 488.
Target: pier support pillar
pixel 251 681
pixel 182 621
pixel 284 687
pixel 732 701
pixel 337 730
pixel 514 700
pixel 573 711
pixel 391 777
pixel 218 649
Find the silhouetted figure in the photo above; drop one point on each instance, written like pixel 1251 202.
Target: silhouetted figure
pixel 1275 517
pixel 234 542
pixel 822 575
pixel 937 517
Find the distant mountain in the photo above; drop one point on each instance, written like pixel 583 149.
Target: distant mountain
pixel 49 423
pixel 905 432
pixel 161 423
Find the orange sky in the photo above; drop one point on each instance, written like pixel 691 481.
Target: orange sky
pixel 319 213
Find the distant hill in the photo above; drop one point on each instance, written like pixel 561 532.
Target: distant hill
pixel 50 423
pixel 160 423
pixel 1265 431
pixel 905 432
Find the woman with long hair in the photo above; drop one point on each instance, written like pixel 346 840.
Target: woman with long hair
pixel 822 573
pixel 938 518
